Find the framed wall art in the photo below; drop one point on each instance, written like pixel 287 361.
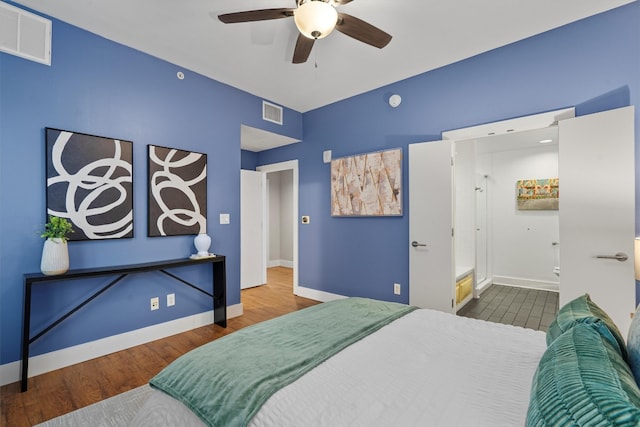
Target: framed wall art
pixel 89 181
pixel 538 194
pixel 177 192
pixel 367 184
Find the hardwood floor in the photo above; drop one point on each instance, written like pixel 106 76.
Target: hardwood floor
pixel 65 390
pixel 528 308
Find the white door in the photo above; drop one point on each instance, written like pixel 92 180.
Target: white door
pixel 431 277
pixel 253 271
pixel 597 215
pixel 597 211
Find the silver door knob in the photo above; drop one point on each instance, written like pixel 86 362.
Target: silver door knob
pixel 416 244
pixel 620 256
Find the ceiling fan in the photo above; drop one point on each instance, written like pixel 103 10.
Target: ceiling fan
pixel 315 19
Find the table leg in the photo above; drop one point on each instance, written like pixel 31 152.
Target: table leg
pixel 219 294
pixel 26 325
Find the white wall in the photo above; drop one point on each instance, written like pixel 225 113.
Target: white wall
pixel 523 253
pixel 280 201
pixel 273 202
pixel 286 216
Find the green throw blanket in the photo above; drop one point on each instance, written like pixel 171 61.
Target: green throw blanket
pixel 225 382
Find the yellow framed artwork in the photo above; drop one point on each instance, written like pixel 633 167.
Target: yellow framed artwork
pixel 537 194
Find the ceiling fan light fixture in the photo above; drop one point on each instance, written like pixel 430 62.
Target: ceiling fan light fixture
pixel 315 19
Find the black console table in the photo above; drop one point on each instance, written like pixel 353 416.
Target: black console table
pixel 219 294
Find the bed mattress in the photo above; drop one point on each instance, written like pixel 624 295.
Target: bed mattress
pixel 427 368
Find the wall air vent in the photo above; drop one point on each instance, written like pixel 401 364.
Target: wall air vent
pixel 271 112
pixel 25 34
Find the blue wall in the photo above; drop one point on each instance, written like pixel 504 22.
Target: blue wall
pixel 102 88
pixel 248 160
pixel 593 64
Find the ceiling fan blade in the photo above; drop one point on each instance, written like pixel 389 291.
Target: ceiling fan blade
pixel 255 15
pixel 361 30
pixel 303 49
pixel 341 2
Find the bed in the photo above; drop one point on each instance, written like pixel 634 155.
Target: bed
pixel 360 362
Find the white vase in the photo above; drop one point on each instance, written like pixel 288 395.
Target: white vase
pixel 202 242
pixel 55 257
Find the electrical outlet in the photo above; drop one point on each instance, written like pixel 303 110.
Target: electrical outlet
pixel 155 303
pixel 396 288
pixel 171 300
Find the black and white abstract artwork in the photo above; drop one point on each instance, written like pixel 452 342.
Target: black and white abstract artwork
pixel 90 183
pixel 177 192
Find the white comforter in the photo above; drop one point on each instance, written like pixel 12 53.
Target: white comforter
pixel 425 369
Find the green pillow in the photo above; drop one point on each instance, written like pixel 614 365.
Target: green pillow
pixel 633 345
pixel 582 380
pixel 583 310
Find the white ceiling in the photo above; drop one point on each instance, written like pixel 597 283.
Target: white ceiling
pixel 256 57
pixel 518 140
pixel 253 139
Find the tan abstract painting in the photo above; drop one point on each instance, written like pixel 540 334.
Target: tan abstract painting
pixel 538 194
pixel 367 184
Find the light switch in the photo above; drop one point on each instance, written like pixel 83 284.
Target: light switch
pixel 224 218
pixel 326 156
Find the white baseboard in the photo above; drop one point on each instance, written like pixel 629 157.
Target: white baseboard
pixel 279 263
pixel 235 310
pixel 317 295
pixel 10 372
pixel 483 286
pixel 527 283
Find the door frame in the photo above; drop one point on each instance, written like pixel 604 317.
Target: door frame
pixel 534 121
pixel 291 165
pixel 502 127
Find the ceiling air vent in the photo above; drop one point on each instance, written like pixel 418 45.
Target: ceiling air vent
pixel 25 34
pixel 271 112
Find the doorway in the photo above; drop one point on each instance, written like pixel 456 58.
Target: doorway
pixel 254 206
pixel 507 243
pixel 280 216
pixel 593 232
